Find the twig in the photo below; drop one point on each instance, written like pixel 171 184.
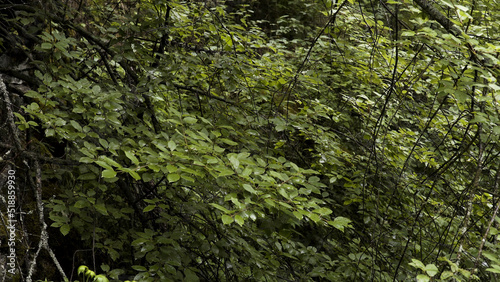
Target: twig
pixel 44 235
pixel 202 93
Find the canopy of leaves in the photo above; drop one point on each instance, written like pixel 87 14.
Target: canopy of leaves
pixel 253 140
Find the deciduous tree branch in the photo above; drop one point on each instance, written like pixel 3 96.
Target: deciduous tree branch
pixel 434 13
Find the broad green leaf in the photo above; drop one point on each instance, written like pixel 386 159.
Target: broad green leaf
pixel 76 125
pixel 447 274
pixel 226 219
pixel 110 161
pixel 431 270
pixel 423 278
pixel 104 164
pixel 86 160
pixel 187 178
pixel 107 173
pixel 270 202
pixel 249 188
pixel 234 161
pixel 171 168
pixel 101 208
pixel 172 145
pixel 101 278
pixel 225 172
pixel 340 223
pixel 190 120
pixel 417 264
pixel 219 207
pixel 80 204
pixel 314 217
pixel 298 215
pixel 239 219
pixel 173 177
pixel 190 275
pixel 323 211
pixel 134 174
pixel 132 157
pixel 65 229
pixel 139 268
pixel 493 270
pixel 228 142
pixel 149 208
pixel 46 45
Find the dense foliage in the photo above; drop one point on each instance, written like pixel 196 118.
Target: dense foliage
pixel 252 140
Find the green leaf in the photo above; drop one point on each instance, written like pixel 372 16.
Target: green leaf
pixel 225 172
pixel 431 270
pixel 46 46
pixel 82 269
pixel 228 142
pixel 103 164
pixel 139 268
pixel 447 274
pixel 76 125
pixel 87 176
pixel 423 278
pixel 86 160
pixel 110 161
pixel 219 207
pixel 270 202
pixel 213 160
pixel 101 278
pixel 190 120
pixel 298 215
pixel 171 168
pixel 460 95
pixel 172 145
pixel 134 174
pixel 408 33
pixel 493 270
pixel 80 204
pixel 101 208
pixel 49 132
pixel 479 118
pixel 108 173
pixel 105 267
pixel 239 219
pixel 340 223
pixel 187 178
pixel 234 161
pixel 65 229
pixel 149 208
pixel 417 264
pixel 96 89
pixel 226 219
pixel 249 188
pixel 323 211
pixel 314 217
pixel 132 157
pixel 190 275
pixel 173 177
